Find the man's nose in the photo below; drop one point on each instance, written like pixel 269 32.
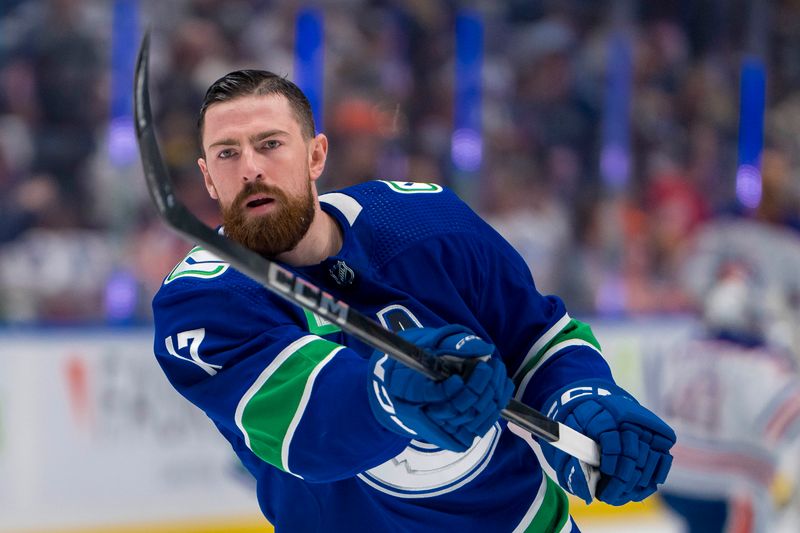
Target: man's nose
pixel 251 166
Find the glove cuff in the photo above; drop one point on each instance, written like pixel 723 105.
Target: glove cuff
pixel 380 400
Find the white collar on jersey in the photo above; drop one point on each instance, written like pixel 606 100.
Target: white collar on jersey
pixel 347 205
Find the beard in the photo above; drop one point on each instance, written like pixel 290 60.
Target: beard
pixel 272 233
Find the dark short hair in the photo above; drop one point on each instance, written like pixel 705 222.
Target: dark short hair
pixel 258 82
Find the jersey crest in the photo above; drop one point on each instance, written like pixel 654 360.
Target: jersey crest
pixel 423 470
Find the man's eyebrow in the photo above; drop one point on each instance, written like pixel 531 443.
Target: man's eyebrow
pixel 264 134
pixel 224 142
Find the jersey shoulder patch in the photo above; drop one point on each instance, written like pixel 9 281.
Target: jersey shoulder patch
pixel 199 263
pixel 412 187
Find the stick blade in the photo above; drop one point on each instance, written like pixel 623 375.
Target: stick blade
pixel 159 184
pixel 141 80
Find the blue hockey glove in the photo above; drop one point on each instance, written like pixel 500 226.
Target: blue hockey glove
pixel 448 413
pixel 634 442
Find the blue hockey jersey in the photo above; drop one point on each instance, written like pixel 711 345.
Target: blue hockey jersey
pixel 288 390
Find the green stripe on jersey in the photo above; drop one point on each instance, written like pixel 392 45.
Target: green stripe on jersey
pixel 552 512
pixel 271 409
pixel 565 333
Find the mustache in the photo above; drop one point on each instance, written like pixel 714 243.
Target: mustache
pixel 255 187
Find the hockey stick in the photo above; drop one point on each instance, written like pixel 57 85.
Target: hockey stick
pixel 299 291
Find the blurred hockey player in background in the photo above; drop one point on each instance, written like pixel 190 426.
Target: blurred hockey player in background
pixel 733 392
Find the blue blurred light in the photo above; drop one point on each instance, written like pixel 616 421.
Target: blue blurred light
pixel 466 150
pixel 122 147
pixel 121 297
pixel 615 165
pixel 748 186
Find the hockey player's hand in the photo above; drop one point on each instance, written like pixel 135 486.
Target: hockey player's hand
pixel 634 443
pixel 448 413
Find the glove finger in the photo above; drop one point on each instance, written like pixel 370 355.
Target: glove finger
pixel 460 419
pixel 482 421
pixel 587 415
pixel 610 450
pixel 501 384
pixel 627 463
pixel 480 378
pixel 664 465
pixel 646 419
pixel 407 384
pixel 432 392
pixel 464 400
pixel 479 394
pixel 504 396
pixel 442 412
pixel 465 437
pixel 452 386
pixel 436 435
pixel 630 444
pixel 610 490
pixel 642 456
pixel 634 428
pixel 649 468
pixel 627 473
pixel 506 393
pixel 662 443
pixel 630 474
pixel 485 402
pixel 643 493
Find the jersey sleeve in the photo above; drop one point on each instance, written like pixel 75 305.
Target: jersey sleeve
pixel 296 400
pixel 542 346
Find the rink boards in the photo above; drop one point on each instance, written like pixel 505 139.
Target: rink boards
pixel 93 437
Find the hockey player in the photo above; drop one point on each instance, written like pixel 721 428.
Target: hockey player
pixel 733 393
pixel 339 436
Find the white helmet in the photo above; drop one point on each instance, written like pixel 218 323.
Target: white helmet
pixel 743 275
pixel 743 306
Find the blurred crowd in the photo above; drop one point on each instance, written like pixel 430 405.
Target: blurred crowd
pixel 80 241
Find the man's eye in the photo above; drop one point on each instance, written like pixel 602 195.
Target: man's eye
pixel 271 144
pixel 225 154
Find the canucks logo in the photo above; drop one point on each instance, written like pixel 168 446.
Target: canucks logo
pixel 411 187
pixel 423 470
pixel 198 264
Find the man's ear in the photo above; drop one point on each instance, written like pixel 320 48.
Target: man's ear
pixel 318 154
pixel 212 191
